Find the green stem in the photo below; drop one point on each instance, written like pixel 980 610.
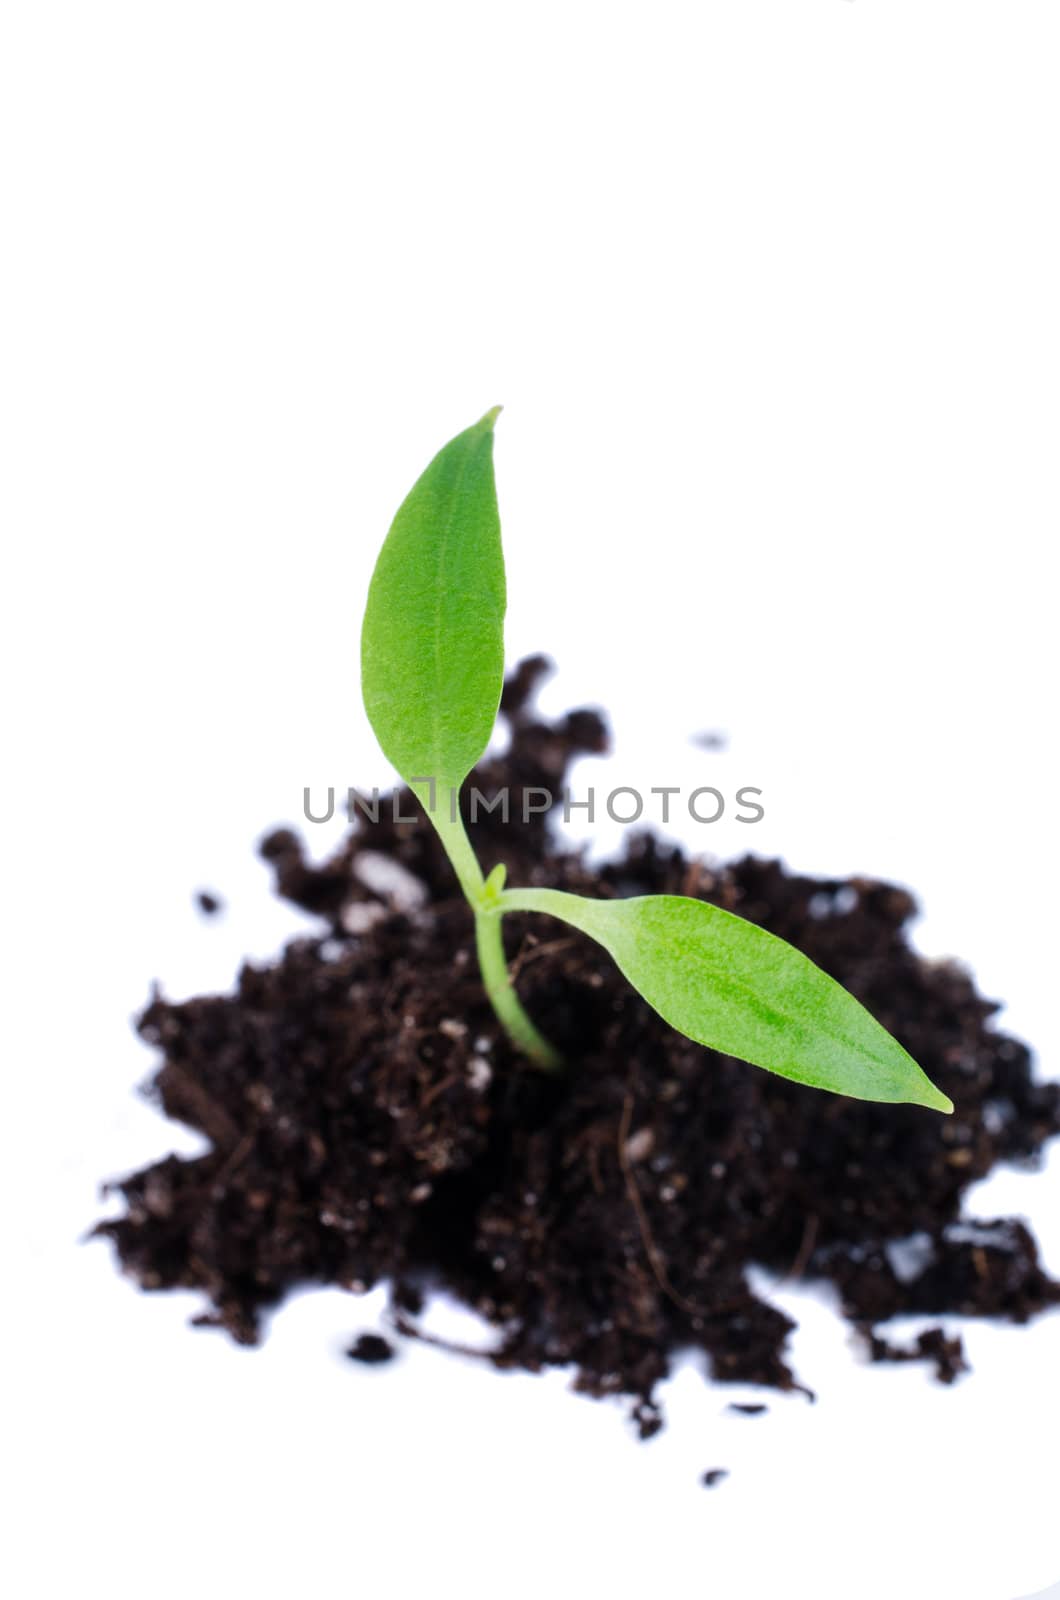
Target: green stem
pixel 484 899
pixel 503 998
pixel 458 848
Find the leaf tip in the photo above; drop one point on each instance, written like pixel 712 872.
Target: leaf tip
pixel 489 421
pixel 935 1100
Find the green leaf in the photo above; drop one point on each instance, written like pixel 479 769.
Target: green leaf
pixel 731 985
pixel 432 643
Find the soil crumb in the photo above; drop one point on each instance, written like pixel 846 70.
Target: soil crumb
pixel 368 1121
pixel 946 1354
pixel 372 1349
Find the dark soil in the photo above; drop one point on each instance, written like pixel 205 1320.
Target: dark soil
pixel 371 1349
pixel 368 1120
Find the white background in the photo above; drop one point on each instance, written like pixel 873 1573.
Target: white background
pixel 768 290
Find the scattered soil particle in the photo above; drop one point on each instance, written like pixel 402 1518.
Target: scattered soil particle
pixel 945 1353
pixel 648 1419
pixel 209 903
pixel 714 1476
pixel 372 1349
pixel 748 1410
pixel 369 1121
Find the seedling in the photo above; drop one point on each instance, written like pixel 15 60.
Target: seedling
pixel 432 667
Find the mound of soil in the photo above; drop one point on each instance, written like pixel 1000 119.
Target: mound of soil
pixel 369 1121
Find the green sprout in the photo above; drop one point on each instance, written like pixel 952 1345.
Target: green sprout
pixel 432 667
